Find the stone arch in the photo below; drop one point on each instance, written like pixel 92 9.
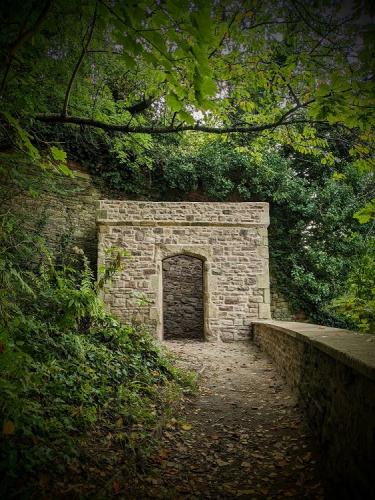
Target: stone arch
pixel 204 254
pixel 183 297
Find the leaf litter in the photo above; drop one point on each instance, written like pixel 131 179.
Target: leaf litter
pixel 241 436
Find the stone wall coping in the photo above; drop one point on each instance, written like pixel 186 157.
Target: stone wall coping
pixel 356 350
pixel 182 203
pixel 160 223
pixel 234 214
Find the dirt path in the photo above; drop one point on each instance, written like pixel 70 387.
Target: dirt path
pixel 241 436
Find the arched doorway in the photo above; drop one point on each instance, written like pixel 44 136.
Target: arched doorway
pixel 183 309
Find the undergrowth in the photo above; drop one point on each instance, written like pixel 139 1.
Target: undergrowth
pixel 67 366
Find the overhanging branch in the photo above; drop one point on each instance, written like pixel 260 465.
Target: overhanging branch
pixel 285 119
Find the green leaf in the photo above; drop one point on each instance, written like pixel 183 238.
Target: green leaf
pixel 337 176
pixel 208 86
pixel 201 21
pixel 173 102
pixel 157 41
pixel 64 169
pixel 367 213
pixel 159 76
pixel 129 60
pixel 186 117
pixel 201 56
pixel 22 137
pixel 364 165
pixel 58 154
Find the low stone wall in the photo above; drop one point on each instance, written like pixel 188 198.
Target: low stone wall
pixel 333 373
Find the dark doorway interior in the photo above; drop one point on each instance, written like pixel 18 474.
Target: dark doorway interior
pixel 183 310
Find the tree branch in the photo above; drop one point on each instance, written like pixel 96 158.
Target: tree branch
pixel 104 51
pixel 139 129
pixel 290 88
pixel 64 110
pixel 213 52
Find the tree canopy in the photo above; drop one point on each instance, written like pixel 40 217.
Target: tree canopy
pixel 218 67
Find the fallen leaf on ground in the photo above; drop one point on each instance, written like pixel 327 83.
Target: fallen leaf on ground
pixel 221 463
pixel 116 486
pixel 163 453
pixel 9 428
pixel 247 465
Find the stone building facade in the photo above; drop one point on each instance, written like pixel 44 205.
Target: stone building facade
pixel 230 239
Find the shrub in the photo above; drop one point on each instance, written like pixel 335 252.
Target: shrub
pixel 357 304
pixel 66 364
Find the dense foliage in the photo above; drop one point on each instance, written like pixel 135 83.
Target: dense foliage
pixel 66 364
pixel 357 303
pixel 94 77
pixel 148 66
pixel 314 239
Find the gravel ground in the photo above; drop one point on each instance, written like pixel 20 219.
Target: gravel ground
pixel 241 436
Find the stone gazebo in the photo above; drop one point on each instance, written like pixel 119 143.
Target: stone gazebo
pixel 198 270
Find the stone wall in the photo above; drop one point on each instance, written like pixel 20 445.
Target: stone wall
pixel 333 373
pixel 63 211
pixel 183 297
pixel 281 309
pixel 230 238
